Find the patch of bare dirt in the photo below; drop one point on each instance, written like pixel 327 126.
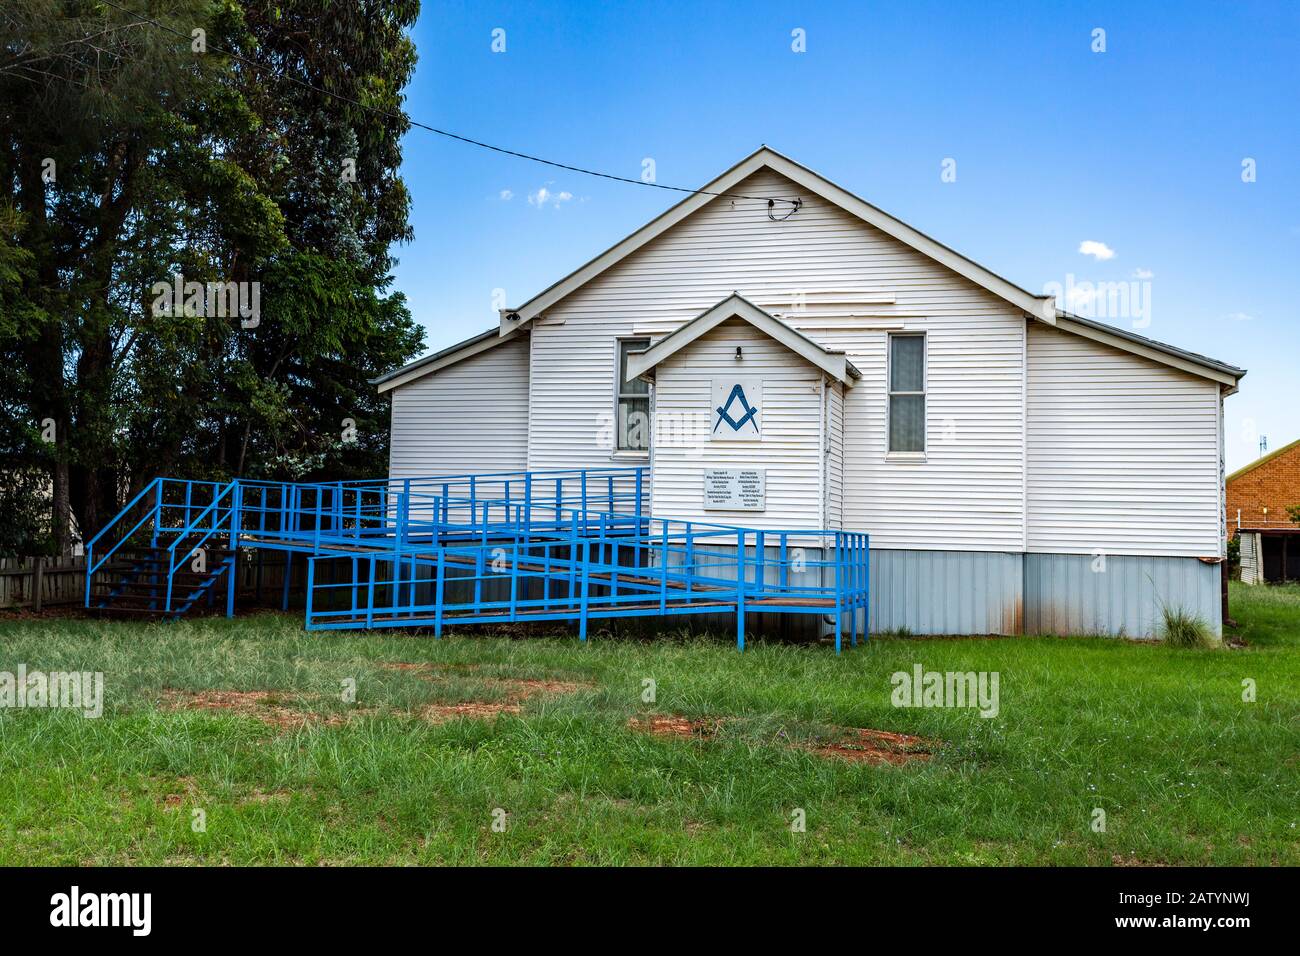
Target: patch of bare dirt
pixel 1118 859
pixel 468 710
pixel 265 705
pixel 861 744
pixel 522 688
pixel 672 725
pixel 515 691
pixel 188 790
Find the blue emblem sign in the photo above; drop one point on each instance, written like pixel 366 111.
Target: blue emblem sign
pixel 737 407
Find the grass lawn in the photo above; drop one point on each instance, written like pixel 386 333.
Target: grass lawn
pixel 1158 738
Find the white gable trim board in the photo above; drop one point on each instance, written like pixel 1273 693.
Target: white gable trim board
pixel 1053 444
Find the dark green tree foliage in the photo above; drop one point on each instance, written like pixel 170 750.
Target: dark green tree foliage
pixel 129 157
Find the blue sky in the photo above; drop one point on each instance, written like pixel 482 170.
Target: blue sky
pixel 1139 148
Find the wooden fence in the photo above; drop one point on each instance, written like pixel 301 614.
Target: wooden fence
pixel 48 582
pixel 41 582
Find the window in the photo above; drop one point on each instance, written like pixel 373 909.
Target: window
pixel 907 393
pixel 633 401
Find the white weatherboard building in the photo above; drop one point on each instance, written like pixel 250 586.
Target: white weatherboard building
pixel 787 355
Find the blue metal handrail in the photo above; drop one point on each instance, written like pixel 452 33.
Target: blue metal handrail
pixel 653 566
pixel 195 526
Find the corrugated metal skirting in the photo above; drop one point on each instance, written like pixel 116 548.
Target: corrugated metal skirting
pixel 946 592
pixel 981 592
pixel 1065 595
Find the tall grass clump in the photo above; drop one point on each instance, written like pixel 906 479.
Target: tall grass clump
pixel 1182 628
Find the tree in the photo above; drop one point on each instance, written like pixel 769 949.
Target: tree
pixel 136 153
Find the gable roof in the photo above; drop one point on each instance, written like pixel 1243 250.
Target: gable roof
pixel 833 363
pixel 1040 307
pixel 467 348
pixel 1169 355
pixel 1264 460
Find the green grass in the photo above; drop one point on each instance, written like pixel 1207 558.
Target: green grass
pixel 1156 736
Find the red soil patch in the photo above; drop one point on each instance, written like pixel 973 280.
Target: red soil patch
pixel 673 726
pixel 515 690
pixel 521 689
pixel 468 710
pixel 262 704
pixel 861 744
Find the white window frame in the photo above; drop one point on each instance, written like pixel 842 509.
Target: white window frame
pixel 619 395
pixel 890 393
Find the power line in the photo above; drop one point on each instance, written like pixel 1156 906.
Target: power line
pixel 795 203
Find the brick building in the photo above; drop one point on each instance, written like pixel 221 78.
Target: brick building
pixel 1257 499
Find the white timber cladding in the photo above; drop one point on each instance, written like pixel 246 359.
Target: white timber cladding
pixel 1123 452
pixel 846 285
pixel 834 451
pixel 468 417
pixel 789 451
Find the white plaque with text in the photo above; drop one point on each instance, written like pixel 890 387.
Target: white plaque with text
pixel 735 489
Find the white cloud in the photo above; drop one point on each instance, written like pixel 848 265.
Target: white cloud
pixel 1098 250
pixel 507 195
pixel 544 197
pixel 1143 274
pixel 1239 316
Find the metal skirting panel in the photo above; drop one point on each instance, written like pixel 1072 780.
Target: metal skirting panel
pixel 1071 594
pixel 946 592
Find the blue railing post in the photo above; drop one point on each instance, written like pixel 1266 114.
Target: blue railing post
pixel 573 557
pixel 528 502
pixel 311 581
pixel 740 590
pixel 404 510
pixel 336 515
pixel 400 520
pixel 514 586
pixel 584 501
pixel 839 587
pixel 663 584
pixel 478 576
pixel 315 542
pixel 785 566
pixel 586 588
pixel 866 586
pixel 851 572
pixel 690 560
pixel 370 594
pixel 437 594
pixel 157 513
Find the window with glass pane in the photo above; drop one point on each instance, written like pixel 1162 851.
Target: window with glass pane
pixel 633 401
pixel 907 393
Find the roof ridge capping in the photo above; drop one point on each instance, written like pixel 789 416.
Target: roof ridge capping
pixel 1041 307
